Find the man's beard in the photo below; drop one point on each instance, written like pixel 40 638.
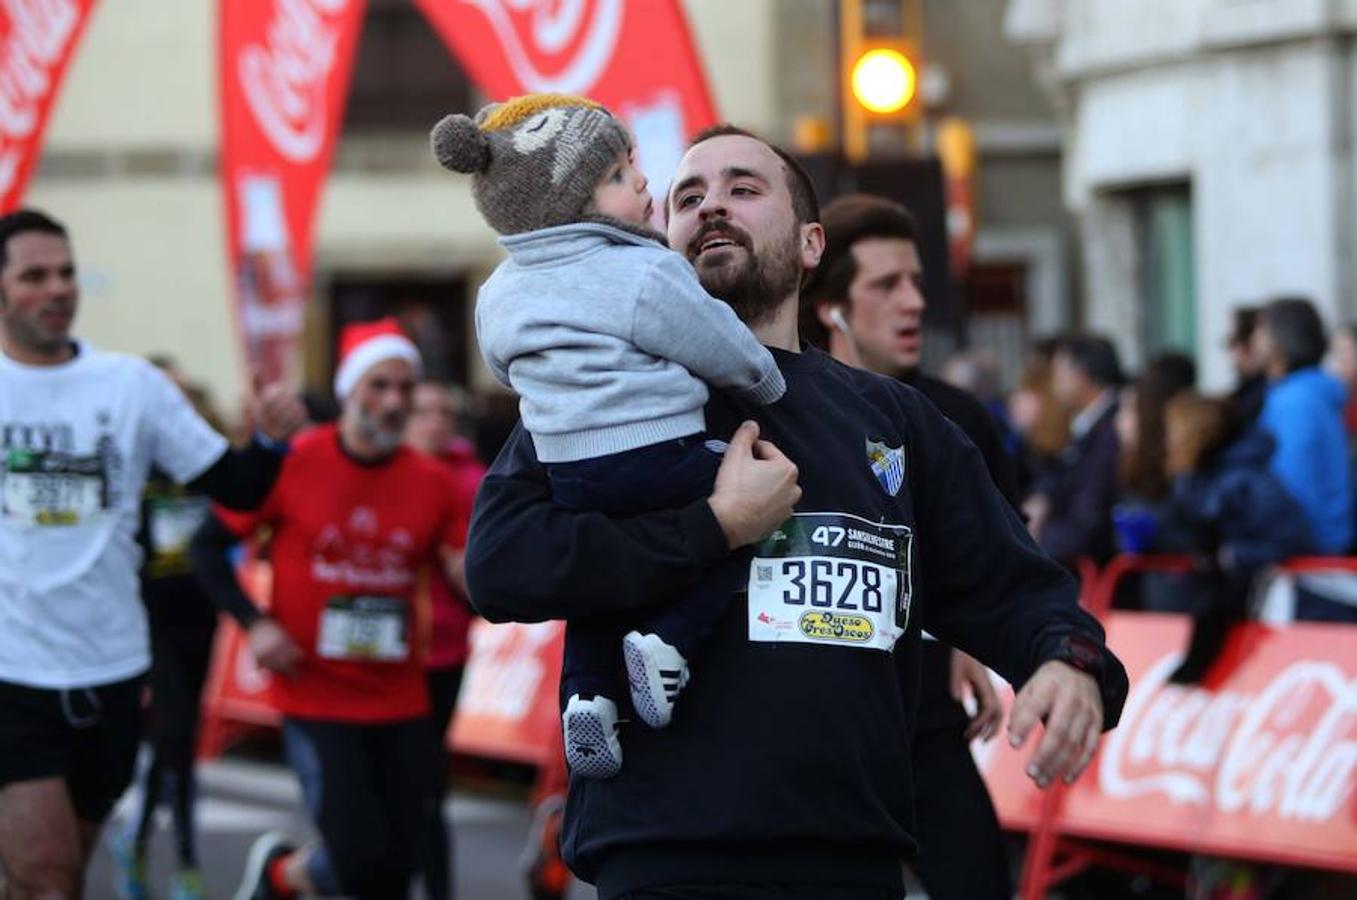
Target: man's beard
pixel 384 437
pixel 754 287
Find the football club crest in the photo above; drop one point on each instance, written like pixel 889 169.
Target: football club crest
pixel 887 464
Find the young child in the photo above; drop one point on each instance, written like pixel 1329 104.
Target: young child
pixel 610 342
pixel 1227 508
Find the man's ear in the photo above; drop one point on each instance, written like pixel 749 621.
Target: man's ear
pixel 812 244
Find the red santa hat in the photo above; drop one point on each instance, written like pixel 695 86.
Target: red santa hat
pixel 364 344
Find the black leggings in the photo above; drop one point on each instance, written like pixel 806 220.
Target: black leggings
pixel 180 657
pixel 365 787
pixel 436 861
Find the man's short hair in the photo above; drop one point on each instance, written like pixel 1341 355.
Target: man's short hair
pixel 1096 357
pixel 847 220
pixel 805 204
pixel 24 220
pixel 1297 331
pixel 1243 320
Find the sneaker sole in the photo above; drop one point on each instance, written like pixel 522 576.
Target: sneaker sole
pixel 589 750
pixel 647 686
pixel 260 854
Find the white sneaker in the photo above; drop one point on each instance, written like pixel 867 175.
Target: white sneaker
pixel 657 673
pixel 591 746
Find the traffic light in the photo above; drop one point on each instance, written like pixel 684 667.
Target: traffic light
pixel 879 46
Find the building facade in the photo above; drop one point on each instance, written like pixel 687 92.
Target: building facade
pixel 1209 159
pixel 130 163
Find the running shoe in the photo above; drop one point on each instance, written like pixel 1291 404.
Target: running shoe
pixel 591 746
pixel 546 873
pixel 657 673
pixel 186 884
pixel 254 885
pixel 130 865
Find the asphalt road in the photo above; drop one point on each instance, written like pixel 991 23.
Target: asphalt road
pixel 239 800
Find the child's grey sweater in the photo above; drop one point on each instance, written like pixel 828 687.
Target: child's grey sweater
pixel 608 339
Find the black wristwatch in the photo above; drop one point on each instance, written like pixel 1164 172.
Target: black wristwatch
pixel 1083 653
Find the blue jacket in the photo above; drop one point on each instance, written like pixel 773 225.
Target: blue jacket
pixel 1242 504
pixel 1304 414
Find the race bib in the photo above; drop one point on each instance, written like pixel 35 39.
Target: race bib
pixel 831 578
pixel 171 523
pixel 49 488
pixel 371 629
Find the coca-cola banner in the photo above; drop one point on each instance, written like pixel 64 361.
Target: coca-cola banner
pixel 509 708
pixel 1260 763
pixel 37 40
pixel 284 76
pixel 636 58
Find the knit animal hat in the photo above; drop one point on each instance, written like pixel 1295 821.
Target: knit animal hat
pixel 534 160
pixel 364 344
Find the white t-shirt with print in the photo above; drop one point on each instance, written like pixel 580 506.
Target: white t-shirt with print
pixel 77 441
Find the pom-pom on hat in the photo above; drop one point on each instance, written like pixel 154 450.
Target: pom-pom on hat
pixel 534 160
pixel 364 344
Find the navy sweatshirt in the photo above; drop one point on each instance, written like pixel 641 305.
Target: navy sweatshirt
pixel 788 757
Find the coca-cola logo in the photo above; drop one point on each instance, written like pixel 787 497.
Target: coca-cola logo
pixel 1290 750
pixel 284 78
pixel 40 33
pixel 533 33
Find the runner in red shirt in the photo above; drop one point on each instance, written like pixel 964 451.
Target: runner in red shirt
pixel 356 519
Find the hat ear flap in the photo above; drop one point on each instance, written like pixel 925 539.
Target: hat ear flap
pixel 459 145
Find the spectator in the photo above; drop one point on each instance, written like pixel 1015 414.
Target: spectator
pixel 1143 485
pixel 1343 366
pixel 1041 425
pixel 1228 510
pixel 1070 513
pixel 1251 382
pixel 1303 412
pixel 1140 426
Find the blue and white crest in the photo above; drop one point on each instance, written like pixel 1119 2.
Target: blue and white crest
pixel 887 464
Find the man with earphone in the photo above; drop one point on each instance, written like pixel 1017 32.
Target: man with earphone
pixel 865 304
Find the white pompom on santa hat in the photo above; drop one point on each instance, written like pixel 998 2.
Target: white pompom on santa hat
pixel 364 344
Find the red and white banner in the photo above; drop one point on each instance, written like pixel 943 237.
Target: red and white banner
pixel 37 40
pixel 636 58
pixel 284 77
pixel 1260 764
pixel 508 707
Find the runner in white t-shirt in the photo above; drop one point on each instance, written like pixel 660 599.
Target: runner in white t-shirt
pixel 79 431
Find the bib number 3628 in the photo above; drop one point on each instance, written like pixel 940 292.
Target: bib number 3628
pixel 831 578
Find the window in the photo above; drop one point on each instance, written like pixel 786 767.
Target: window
pixel 1167 270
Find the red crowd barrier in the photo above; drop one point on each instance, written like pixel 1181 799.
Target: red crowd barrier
pixel 1258 763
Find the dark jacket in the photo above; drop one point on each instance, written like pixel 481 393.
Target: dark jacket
pixel 788 760
pixel 1237 503
pixel 1082 489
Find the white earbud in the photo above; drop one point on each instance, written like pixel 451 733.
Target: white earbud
pixel 836 316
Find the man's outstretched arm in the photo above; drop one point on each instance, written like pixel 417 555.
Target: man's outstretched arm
pixel 529 560
pixel 988 589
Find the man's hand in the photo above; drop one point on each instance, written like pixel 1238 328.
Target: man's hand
pixel 1067 701
pixel 278 411
pixel 756 488
pixel 968 675
pixel 273 648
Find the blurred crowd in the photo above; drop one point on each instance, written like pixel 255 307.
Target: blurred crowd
pixel 1148 462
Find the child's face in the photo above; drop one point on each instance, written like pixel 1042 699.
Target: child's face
pixel 622 193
